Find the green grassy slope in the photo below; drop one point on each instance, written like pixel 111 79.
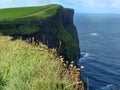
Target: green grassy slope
pixel 10 18
pixel 39 11
pixel 28 67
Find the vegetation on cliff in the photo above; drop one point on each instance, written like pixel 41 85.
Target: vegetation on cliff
pixel 23 12
pixel 52 24
pixel 26 66
pixel 15 16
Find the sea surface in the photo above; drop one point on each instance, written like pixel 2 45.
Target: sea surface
pixel 99 36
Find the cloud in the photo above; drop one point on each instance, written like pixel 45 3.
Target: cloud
pixel 107 4
pixel 91 6
pixel 21 3
pixel 69 3
pixel 90 3
pixel 94 6
pixel 102 4
pixel 35 1
pixel 78 5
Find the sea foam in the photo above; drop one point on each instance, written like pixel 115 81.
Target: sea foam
pixel 93 34
pixel 109 87
pixel 85 55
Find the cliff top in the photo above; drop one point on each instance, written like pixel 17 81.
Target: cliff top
pixel 22 12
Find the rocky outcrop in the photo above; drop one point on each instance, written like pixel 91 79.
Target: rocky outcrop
pixel 57 31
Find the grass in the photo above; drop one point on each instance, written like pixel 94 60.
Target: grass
pixel 18 20
pixel 21 30
pixel 38 11
pixel 26 66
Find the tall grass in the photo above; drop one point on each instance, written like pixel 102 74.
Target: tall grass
pixel 26 66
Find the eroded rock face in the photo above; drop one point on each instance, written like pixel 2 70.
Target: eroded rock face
pixel 58 31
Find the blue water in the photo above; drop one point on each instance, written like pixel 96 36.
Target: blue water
pixel 99 37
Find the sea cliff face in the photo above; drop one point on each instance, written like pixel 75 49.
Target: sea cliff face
pixel 57 31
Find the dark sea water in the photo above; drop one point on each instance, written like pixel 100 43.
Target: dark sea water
pixel 99 37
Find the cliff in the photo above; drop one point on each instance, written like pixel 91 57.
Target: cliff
pixel 51 24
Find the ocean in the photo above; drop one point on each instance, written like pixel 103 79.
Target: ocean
pixel 99 36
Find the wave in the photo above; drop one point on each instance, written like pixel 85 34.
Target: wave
pixel 93 34
pixel 109 87
pixel 85 55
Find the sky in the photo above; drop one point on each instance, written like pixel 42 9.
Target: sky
pixel 82 6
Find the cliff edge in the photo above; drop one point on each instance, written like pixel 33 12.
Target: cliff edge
pixel 52 24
